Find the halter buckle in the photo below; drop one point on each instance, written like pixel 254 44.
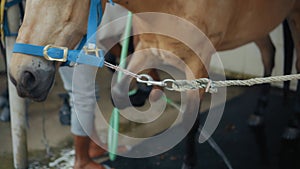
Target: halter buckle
pixel 47 57
pixel 91 51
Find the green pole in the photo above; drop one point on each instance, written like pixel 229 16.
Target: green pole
pixel 114 120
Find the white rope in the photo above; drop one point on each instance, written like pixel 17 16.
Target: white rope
pixel 211 86
pixel 204 83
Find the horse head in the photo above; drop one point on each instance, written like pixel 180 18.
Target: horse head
pixel 57 22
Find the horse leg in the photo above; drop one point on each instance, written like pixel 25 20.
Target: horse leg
pixel 288 57
pixel 292 131
pixel 138 62
pixel 267 51
pixel 256 121
pixel 190 157
pixel 143 91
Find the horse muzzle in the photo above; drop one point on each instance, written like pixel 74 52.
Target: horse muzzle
pixel 32 82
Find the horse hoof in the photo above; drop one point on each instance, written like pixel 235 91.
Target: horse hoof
pixel 186 166
pixel 5 115
pixel 255 120
pixel 290 134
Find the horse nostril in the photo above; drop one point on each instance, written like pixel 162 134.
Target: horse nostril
pixel 28 80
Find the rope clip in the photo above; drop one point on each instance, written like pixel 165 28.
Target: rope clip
pixel 167 83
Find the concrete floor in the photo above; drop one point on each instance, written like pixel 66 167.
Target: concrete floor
pixel 59 136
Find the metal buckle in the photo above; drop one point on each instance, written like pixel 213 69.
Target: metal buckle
pixel 63 59
pixel 91 51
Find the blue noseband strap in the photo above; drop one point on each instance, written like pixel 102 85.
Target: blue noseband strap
pixel 90 55
pixel 73 56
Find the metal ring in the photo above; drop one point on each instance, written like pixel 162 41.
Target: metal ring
pixel 148 77
pixel 168 84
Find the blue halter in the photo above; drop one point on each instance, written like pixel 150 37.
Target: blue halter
pixel 5 20
pixel 91 54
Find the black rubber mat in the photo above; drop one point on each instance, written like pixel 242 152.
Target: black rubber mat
pixel 237 140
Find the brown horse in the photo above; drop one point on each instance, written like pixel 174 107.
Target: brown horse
pixel 227 24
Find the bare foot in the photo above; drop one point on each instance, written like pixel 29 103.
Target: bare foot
pixel 96 151
pixel 88 165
